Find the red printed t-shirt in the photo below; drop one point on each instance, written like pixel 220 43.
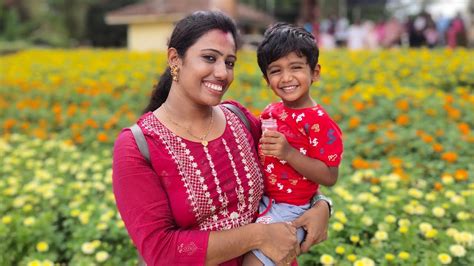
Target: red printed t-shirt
pixel 314 134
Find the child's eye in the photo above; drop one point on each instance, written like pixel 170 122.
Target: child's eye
pixel 230 64
pixel 276 71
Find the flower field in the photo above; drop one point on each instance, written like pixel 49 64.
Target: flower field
pixel 405 195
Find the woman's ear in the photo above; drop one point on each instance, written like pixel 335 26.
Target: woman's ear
pixel 316 72
pixel 173 57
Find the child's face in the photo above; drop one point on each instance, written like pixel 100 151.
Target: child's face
pixel 290 78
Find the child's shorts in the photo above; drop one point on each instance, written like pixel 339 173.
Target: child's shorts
pixel 272 212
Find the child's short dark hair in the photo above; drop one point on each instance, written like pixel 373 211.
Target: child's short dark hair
pixel 281 39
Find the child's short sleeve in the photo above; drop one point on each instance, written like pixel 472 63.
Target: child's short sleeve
pixel 325 140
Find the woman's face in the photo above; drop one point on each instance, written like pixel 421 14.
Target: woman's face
pixel 207 69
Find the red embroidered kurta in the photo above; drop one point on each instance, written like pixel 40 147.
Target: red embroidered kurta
pixel 314 134
pixel 170 207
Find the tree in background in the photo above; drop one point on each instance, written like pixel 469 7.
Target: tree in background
pixel 62 23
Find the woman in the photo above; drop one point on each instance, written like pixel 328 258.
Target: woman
pixel 194 204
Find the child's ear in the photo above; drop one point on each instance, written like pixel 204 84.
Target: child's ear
pixel 316 72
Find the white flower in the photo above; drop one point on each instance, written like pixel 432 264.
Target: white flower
pixel 457 250
pixel 88 248
pixel 438 212
pixel 101 256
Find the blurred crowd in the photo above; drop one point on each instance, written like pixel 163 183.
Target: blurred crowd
pixel 416 31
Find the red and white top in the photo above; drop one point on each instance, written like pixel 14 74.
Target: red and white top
pixel 170 206
pixel 314 134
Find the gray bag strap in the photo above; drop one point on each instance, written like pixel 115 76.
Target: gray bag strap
pixel 140 140
pixel 236 110
pixel 143 147
pixel 240 114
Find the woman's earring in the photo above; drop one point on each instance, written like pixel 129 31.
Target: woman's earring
pixel 174 72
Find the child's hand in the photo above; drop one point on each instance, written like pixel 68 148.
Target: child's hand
pixel 274 143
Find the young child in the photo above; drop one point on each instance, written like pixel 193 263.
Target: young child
pixel 305 149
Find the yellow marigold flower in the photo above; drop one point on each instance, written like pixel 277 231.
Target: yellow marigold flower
pixel 404 255
pixel 449 194
pixel 326 259
pixel 367 221
pixel 337 226
pixel 381 235
pixel 355 208
pixel 463 216
pixel 34 263
pixel 404 222
pixel 425 227
pixel 101 256
pixel 42 246
pixel 375 189
pixel 438 212
pixel 452 232
pixel 457 250
pixel 88 248
pixel 75 213
pixel 29 221
pixel 351 257
pixel 415 193
pixel 340 250
pixel 389 256
pixel 431 233
pixel 464 238
pixel 84 217
pixel 7 219
pixel 403 229
pixel 341 216
pixel 458 200
pixel 444 258
pixel 364 262
pixel 430 196
pixel 96 243
pixel 390 219
pixel 47 263
pixel 355 239
pixel 447 179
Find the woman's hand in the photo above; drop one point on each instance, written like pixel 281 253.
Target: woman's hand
pixel 274 143
pixel 280 243
pixel 315 221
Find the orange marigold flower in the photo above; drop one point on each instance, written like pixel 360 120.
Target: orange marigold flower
pixel 9 123
pixel 454 113
pixel 402 105
pixel 375 180
pixel 358 105
pixel 438 186
pixel 102 137
pixel 437 147
pixel 464 128
pixel 359 163
pixel 461 175
pixel 427 138
pixel 449 156
pixel 372 127
pixel 403 120
pixel 395 161
pixel 354 122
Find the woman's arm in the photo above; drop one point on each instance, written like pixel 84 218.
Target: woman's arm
pixel 277 241
pixel 315 221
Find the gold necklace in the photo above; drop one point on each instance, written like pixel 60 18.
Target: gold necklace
pixel 203 140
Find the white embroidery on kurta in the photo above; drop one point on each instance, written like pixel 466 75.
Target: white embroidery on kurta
pixel 210 214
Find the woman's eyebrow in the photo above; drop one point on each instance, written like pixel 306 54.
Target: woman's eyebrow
pixel 216 51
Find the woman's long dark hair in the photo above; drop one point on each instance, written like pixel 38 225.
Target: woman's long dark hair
pixel 186 32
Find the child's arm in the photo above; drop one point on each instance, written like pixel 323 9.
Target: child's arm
pixel 275 144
